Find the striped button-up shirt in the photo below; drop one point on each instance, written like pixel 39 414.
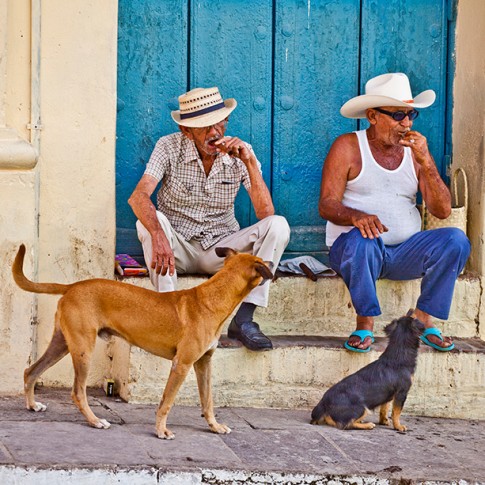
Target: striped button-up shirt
pixel 199 207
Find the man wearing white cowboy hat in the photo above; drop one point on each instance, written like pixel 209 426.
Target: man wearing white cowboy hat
pixel 201 171
pixel 368 196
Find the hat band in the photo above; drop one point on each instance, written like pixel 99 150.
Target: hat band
pixel 202 111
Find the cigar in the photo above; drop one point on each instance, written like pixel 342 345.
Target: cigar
pixel 308 272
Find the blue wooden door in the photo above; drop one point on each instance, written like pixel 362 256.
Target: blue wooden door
pixel 290 64
pixel 316 70
pixel 152 69
pixel 231 47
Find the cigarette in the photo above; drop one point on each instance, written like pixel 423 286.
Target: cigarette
pixel 119 269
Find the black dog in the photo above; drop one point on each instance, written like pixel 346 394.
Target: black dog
pixel 387 379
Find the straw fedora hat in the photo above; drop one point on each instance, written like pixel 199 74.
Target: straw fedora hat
pixel 391 89
pixel 202 107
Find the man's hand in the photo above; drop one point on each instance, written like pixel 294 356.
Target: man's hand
pixel 434 191
pixel 163 259
pixel 234 146
pixel 369 225
pixel 258 193
pixel 418 144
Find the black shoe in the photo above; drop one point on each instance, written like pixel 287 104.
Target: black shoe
pixel 250 335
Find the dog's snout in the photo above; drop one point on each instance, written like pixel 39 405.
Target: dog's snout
pixel 263 269
pixel 263 281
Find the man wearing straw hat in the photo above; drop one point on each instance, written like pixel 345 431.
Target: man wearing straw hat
pixel 368 196
pixel 201 170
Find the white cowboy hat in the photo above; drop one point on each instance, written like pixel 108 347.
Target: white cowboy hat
pixel 391 89
pixel 202 107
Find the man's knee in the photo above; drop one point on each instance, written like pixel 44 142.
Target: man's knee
pixel 279 226
pixel 456 246
pixel 364 247
pixel 355 252
pixel 455 241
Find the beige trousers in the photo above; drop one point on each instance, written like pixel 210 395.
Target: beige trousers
pixel 267 239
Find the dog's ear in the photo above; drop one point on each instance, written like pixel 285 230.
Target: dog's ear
pixel 225 252
pixel 388 329
pixel 418 325
pixel 264 271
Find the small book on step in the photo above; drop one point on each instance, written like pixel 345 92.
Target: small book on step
pixel 125 265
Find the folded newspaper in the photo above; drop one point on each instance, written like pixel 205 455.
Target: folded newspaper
pixel 298 266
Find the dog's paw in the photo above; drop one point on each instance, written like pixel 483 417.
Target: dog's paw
pixel 220 428
pixel 401 428
pixel 165 434
pixel 38 407
pixel 102 424
pixel 385 422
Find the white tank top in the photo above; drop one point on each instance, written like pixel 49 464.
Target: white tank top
pixel 389 194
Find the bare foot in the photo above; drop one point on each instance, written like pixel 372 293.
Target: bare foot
pixel 426 319
pixel 356 342
pixel 446 342
pixel 363 323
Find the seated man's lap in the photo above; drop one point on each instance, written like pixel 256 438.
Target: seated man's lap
pixel 404 261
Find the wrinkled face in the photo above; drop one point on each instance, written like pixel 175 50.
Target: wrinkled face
pixel 204 138
pixel 387 128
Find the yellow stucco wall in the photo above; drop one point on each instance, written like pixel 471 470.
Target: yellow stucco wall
pixel 77 166
pixel 17 190
pixel 73 184
pixel 469 125
pixel 469 117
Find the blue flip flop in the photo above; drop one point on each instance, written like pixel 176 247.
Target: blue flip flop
pixel 437 332
pixel 362 334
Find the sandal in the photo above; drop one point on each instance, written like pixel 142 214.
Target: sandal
pixel 362 334
pixel 437 332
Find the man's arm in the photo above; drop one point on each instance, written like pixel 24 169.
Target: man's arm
pixel 258 193
pixel 341 165
pixel 434 191
pixel 162 254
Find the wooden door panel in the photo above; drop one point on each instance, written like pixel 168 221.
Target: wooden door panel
pixel 393 40
pixel 231 47
pixel 316 68
pixel 152 70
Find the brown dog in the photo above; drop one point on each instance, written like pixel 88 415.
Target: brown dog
pixel 183 326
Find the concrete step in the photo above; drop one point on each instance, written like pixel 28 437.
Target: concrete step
pixel 299 306
pixel 308 323
pixel 298 370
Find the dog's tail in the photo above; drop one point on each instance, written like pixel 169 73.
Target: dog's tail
pixel 27 285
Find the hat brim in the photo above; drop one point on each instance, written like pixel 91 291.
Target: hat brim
pixel 207 119
pixel 357 107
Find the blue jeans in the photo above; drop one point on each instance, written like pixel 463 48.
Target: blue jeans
pixel 437 256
